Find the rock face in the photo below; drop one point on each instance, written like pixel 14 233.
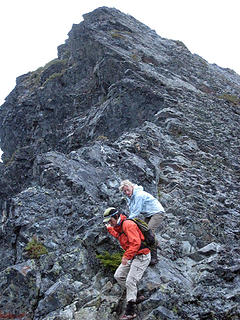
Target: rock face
pixel 120 102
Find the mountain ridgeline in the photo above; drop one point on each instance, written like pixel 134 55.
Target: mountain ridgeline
pixel 120 102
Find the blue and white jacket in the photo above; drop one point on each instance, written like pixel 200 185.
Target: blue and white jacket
pixel 143 202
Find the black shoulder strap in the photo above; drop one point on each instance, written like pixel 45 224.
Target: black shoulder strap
pixel 120 233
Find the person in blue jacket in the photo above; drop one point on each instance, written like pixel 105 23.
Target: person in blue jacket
pixel 142 202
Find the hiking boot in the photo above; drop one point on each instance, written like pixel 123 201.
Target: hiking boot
pixel 140 296
pixel 123 295
pixel 120 303
pixel 154 258
pixel 153 261
pixel 140 299
pixel 130 311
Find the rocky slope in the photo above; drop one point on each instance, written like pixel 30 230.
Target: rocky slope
pixel 120 102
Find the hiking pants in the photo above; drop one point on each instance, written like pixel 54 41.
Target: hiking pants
pixel 129 275
pixel 154 221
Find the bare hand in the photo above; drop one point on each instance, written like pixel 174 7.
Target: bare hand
pixel 124 261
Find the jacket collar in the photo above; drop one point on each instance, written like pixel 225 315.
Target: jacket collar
pixel 118 228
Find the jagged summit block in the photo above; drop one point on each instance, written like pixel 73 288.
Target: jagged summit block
pixel 120 102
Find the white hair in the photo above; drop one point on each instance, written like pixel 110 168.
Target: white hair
pixel 124 183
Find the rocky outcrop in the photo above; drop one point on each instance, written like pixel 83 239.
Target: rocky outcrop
pixel 120 102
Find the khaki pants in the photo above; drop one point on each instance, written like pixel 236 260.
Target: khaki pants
pixel 129 275
pixel 154 221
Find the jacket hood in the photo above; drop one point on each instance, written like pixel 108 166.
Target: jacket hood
pixel 137 188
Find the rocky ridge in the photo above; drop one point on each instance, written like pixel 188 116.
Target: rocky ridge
pixel 120 102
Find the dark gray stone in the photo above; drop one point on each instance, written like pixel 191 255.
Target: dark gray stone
pixel 120 102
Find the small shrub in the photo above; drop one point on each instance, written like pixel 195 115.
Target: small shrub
pixel 54 76
pixel 135 57
pixel 35 76
pixel 35 249
pixel 110 261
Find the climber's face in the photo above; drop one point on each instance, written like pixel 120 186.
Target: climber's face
pixel 128 191
pixel 113 222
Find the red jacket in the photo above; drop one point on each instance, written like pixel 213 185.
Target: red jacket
pixel 131 239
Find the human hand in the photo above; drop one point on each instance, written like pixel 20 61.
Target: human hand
pixel 124 261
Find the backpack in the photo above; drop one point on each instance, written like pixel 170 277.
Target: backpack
pixel 149 237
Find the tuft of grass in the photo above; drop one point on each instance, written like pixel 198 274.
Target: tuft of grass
pixel 10 160
pixel 159 194
pixel 35 249
pixel 117 34
pixel 230 98
pixel 54 76
pixel 54 61
pixel 102 138
pixel 135 57
pixel 36 75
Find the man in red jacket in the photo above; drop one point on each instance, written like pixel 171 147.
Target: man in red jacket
pixel 136 257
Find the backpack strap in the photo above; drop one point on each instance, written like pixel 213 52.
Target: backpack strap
pixel 143 243
pixel 120 233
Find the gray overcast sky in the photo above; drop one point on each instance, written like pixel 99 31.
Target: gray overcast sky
pixel 31 30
